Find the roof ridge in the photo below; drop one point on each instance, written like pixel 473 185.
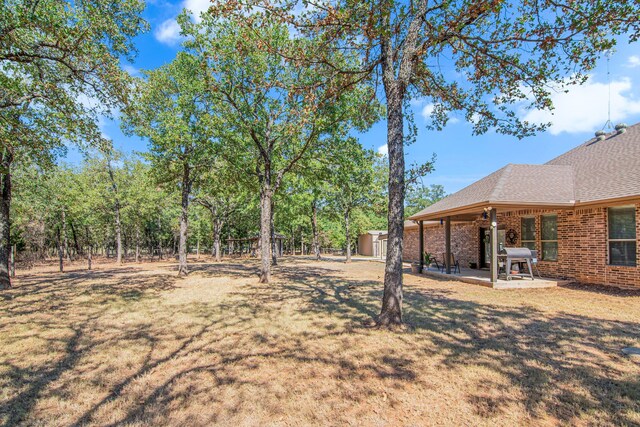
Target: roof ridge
pixel 500 183
pixel 608 136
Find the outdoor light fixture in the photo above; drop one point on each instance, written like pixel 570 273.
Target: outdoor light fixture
pixel 441 221
pixel 484 215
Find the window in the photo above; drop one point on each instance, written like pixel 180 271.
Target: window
pixel 549 237
pixel 528 233
pixel 622 236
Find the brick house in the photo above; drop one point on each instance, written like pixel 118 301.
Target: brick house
pixel 580 211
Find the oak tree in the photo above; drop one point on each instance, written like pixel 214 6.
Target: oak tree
pixel 59 69
pixel 273 112
pixel 487 59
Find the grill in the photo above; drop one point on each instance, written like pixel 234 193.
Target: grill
pixel 518 256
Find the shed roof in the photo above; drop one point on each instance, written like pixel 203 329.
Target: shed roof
pixel 596 170
pixel 376 232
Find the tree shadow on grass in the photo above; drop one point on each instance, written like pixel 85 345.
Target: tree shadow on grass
pixel 563 365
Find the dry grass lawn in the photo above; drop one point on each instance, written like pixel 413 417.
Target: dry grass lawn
pixel 135 345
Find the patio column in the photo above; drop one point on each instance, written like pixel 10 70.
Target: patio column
pixel 421 240
pixel 493 215
pixel 447 243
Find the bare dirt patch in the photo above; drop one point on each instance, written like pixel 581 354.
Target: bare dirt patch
pixel 135 345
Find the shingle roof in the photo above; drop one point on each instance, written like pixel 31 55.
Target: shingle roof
pixel 596 170
pixel 607 169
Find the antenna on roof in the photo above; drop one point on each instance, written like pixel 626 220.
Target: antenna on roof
pixel 608 124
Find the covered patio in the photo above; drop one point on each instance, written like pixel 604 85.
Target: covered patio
pixel 483 278
pixel 512 188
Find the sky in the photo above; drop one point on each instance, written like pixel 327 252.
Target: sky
pixel 461 158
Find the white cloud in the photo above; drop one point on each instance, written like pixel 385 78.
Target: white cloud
pixel 584 108
pixel 197 7
pixel 633 61
pixel 168 32
pixel 417 102
pixel 131 70
pixel 427 110
pixel 383 150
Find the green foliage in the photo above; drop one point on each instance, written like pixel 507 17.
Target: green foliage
pixel 85 194
pixel 60 70
pixel 483 59
pixel 429 258
pixel 272 112
pixel 169 110
pixel 419 196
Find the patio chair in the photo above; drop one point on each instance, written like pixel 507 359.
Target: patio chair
pixel 453 262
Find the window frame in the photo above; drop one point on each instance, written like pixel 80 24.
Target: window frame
pixel 535 234
pixel 609 239
pixel 542 241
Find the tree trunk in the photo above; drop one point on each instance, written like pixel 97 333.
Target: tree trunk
pixel 137 244
pixel 314 229
pixel 118 238
pixel 347 235
pixel 217 230
pixel 75 239
pixel 60 253
pixel 5 223
pixel 293 242
pixel 265 229
pixel 184 217
pixel 117 215
pixel 12 262
pixel 89 258
pixel 274 247
pixel 125 245
pixel 159 240
pixel 391 313
pixel 64 234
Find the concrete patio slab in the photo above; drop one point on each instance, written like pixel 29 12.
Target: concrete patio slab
pixel 482 277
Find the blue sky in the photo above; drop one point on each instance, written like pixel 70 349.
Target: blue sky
pixel 461 157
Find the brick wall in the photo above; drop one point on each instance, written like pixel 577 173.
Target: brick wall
pixel 582 244
pixel 464 242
